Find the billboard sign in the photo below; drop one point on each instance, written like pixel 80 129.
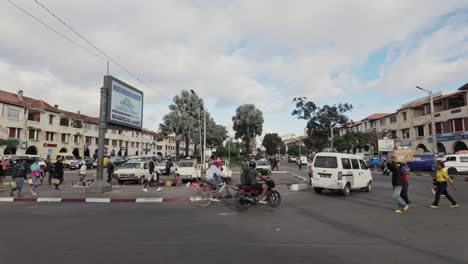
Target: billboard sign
pixel 124 104
pixel 386 144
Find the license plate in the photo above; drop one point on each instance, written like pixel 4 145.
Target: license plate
pixel 324 175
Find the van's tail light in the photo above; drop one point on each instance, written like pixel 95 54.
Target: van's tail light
pixel 340 176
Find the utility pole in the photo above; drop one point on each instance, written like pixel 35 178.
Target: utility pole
pixel 204 138
pixel 434 138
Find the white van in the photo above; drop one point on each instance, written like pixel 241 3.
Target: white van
pixel 456 163
pixel 339 171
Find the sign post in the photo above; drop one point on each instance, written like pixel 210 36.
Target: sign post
pixel 121 105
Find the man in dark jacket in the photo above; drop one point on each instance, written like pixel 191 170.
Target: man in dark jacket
pixel 19 174
pixel 395 167
pixel 58 173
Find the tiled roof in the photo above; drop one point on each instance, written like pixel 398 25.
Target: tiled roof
pixel 437 98
pixel 464 87
pixel 377 116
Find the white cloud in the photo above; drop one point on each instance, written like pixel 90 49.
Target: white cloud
pixel 232 52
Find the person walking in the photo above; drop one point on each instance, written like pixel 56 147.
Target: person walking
pixel 82 173
pixel 19 174
pixel 148 180
pixel 404 183
pixel 397 185
pixel 36 172
pixel 110 172
pixel 49 170
pixel 168 166
pixel 2 176
pixel 58 175
pixel 441 182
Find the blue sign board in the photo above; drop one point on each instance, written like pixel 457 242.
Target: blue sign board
pixel 451 137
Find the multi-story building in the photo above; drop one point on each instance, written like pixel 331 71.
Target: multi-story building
pixel 411 124
pixel 41 129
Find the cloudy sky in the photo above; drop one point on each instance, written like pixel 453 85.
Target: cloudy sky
pixel 368 53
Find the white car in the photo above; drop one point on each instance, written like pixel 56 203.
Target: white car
pixel 162 167
pixel 227 170
pixel 302 160
pixel 133 171
pixel 337 171
pixel 188 170
pixel 263 167
pixel 456 164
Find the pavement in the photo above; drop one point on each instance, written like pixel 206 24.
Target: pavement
pixel 127 193
pixel 306 228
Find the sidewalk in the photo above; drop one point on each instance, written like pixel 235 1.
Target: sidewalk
pixel 128 193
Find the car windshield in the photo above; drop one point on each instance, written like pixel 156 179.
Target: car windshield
pixel 262 163
pixel 185 164
pixel 162 164
pixel 131 165
pixel 326 162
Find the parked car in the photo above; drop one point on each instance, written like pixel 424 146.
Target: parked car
pixel 421 163
pixel 292 159
pixel 456 163
pixel 89 162
pixel 338 171
pixel 69 161
pixel 117 161
pixel 162 167
pixel 301 160
pixel 263 167
pixel 188 170
pixel 376 160
pixel 135 171
pixel 227 170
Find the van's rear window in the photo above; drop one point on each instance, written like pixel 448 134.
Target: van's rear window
pixel 326 162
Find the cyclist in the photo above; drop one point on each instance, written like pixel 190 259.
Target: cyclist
pixel 214 176
pixel 251 180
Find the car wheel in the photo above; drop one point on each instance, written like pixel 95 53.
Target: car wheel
pixel 452 171
pixel 141 180
pixel 346 190
pixel 369 186
pixel 318 190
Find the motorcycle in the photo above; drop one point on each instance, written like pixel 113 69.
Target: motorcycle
pixel 246 196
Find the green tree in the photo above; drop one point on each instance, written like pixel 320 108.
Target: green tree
pixel 352 140
pixel 272 143
pixel 320 121
pixel 248 123
pixel 293 150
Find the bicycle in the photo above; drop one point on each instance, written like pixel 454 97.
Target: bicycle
pixel 205 194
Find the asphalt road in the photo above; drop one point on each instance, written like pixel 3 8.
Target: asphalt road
pixel 306 228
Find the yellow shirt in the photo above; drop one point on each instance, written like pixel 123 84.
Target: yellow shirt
pixel 442 175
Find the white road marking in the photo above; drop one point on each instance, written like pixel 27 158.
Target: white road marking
pixel 149 200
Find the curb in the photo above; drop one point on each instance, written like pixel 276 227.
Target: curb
pixel 299 187
pixel 94 200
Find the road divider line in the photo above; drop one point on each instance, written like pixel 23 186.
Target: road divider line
pixel 98 200
pixel 7 199
pixel 49 200
pixel 149 200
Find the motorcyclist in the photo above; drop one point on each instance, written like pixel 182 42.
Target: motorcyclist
pixel 252 181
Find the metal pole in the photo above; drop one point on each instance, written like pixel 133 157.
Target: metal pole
pixel 331 139
pixel 204 138
pixel 199 132
pixel 434 138
pixel 107 67
pixel 101 186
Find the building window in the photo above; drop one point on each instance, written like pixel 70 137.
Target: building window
pixel 132 145
pixel 120 132
pixel 64 138
pixel 34 116
pixel 77 124
pixel 50 136
pixel 382 122
pixel 114 142
pixel 77 139
pixel 405 133
pixel 126 144
pixel 33 134
pixel 372 124
pixel 438 126
pixel 393 119
pixel 419 131
pixel 13 113
pixel 87 125
pixel 64 121
pixel 458 125
pixel 106 142
pixel 97 141
pixel 138 144
pixel 89 140
pixel 14 132
pixel 113 131
pixel 405 118
pixel 51 119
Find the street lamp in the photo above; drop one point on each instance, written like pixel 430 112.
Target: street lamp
pixel 199 130
pixel 434 139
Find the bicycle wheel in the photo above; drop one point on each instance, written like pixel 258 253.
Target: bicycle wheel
pixel 203 196
pixel 228 195
pixel 240 204
pixel 274 199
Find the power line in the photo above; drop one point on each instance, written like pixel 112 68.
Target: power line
pixel 55 31
pixel 98 49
